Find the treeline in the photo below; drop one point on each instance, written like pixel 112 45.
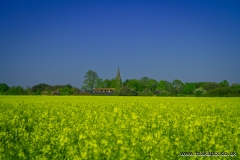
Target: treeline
pixel 134 87
pixel 149 87
pixel 39 89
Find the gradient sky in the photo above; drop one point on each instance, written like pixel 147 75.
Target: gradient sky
pixel 57 42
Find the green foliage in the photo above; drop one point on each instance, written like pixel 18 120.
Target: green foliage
pixel 38 92
pixel 134 85
pixel 90 79
pixel 210 86
pixel 162 85
pixel 224 83
pixel 146 92
pixel 189 88
pixel 219 92
pixel 177 86
pixel 147 85
pixel 125 82
pixel 75 91
pixel 16 90
pixel 163 93
pixel 235 85
pixel 3 88
pixel 42 87
pixel 84 88
pixel 113 83
pixel 107 83
pixel 99 83
pixel 116 128
pixel 66 91
pixel 28 91
pixel 199 92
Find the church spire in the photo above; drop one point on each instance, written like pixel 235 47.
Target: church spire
pixel 118 74
pixel 118 80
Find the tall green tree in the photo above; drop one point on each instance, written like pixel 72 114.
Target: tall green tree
pixel 90 79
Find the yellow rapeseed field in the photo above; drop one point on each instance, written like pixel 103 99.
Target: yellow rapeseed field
pixel 85 127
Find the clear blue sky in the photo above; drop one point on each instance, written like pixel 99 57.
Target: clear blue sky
pixel 57 42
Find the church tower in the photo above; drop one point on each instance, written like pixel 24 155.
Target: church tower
pixel 118 79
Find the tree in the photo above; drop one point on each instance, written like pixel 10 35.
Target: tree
pixel 152 84
pixel 28 90
pixel 211 86
pixel 106 83
pixel 99 83
pixel 66 91
pixel 143 83
pixel 133 84
pixel 3 88
pixel 163 93
pixel 189 88
pixel 90 79
pixel 125 82
pixel 42 87
pixel 162 85
pixel 113 83
pixel 224 83
pixel 75 90
pixel 198 92
pixel 219 92
pixel 68 85
pixel 16 90
pixel 235 85
pixel 177 86
pixel 169 87
pixel 147 84
pixel 125 91
pixel 84 89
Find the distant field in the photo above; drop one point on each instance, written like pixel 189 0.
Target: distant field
pixel 47 127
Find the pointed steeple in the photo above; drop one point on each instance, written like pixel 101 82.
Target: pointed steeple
pixel 118 77
pixel 118 80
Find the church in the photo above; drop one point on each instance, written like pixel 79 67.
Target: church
pixel 109 91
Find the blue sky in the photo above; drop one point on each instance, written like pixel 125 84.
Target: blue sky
pixel 57 42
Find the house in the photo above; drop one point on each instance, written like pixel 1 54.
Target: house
pixel 103 90
pixel 56 92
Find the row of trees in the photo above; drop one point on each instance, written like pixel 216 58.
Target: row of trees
pixel 148 87
pixel 39 89
pixel 131 87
